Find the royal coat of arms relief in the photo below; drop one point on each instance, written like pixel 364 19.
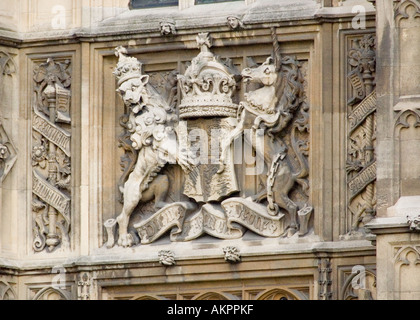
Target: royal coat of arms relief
pixel 202 133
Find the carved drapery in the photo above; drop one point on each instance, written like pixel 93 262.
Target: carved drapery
pixel 361 116
pixel 51 155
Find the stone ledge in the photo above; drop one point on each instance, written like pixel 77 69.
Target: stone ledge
pixel 197 251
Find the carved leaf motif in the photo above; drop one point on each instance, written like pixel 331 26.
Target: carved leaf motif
pixel 360 164
pixel 51 155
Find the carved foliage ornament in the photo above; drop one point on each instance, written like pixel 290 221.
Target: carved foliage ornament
pixel 361 160
pixel 277 113
pixel 51 155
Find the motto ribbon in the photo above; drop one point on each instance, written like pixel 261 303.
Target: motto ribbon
pixel 228 221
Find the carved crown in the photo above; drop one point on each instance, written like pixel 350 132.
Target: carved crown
pixel 127 67
pixel 208 85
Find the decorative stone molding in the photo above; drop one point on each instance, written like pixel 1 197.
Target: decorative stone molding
pixel 359 284
pixel 51 155
pixel 84 285
pixel 166 257
pixel 7 64
pixel 6 291
pixel 401 10
pixel 8 154
pixel 232 254
pixel 324 279
pixel 50 293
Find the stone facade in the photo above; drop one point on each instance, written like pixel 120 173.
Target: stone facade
pixel 234 150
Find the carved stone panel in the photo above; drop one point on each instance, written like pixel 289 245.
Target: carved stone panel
pixel 361 124
pixel 51 155
pixel 212 142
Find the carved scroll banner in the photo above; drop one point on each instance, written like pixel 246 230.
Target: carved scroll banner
pixel 362 179
pixel 357 83
pixel 362 111
pixel 254 217
pixel 53 133
pixel 210 220
pixel 168 217
pixel 51 195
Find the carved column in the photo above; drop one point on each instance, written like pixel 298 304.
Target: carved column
pixel 51 160
pixel 398 151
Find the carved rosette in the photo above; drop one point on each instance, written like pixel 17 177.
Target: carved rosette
pixel 361 159
pixel 51 155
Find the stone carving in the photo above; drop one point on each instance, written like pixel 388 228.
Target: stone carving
pixel 8 154
pixel 414 222
pixel 210 119
pixel 232 254
pixel 167 28
pixel 151 126
pixel 51 293
pixel 83 286
pixel 51 155
pixel 7 65
pixel 360 284
pixel 166 84
pixel 234 22
pixel 324 280
pixel 263 108
pixel 401 10
pixel 166 257
pixel 7 149
pixel 6 291
pixel 361 163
